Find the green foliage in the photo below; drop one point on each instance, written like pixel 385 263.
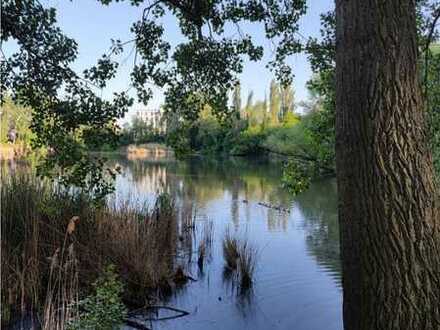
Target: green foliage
pixel 179 141
pixel 296 177
pixel 314 146
pixel 288 140
pixel 249 142
pixel 287 102
pixel 104 309
pixel 70 116
pixel 257 114
pixel 16 117
pixel 280 110
pixel 207 135
pixel 290 119
pixel 139 131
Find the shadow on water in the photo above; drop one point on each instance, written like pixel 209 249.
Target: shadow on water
pixel 319 207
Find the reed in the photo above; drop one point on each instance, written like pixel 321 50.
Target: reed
pixel 240 260
pixel 55 243
pixel 230 251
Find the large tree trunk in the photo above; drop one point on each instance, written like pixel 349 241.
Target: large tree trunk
pixel 389 221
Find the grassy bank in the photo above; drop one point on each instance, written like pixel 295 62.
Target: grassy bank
pixel 57 243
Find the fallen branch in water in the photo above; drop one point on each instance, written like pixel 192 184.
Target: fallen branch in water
pixel 180 312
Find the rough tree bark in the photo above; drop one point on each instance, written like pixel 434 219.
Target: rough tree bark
pixel 389 222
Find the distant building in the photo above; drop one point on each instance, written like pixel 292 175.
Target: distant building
pixel 154 118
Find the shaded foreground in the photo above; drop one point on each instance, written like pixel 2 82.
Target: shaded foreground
pixel 60 250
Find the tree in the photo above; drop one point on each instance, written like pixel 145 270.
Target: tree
pixel 388 214
pixel 264 112
pixel 389 226
pixel 274 102
pixel 287 101
pixel 201 70
pixel 69 118
pixel 249 104
pixel 236 98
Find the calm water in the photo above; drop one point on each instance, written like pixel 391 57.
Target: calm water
pixel 297 281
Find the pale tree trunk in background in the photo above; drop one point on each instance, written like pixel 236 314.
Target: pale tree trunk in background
pixel 388 216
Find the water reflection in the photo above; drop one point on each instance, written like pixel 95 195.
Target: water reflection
pixel 297 280
pixel 319 207
pixel 298 276
pixel 242 297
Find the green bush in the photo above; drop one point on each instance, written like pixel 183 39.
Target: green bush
pixel 103 310
pixel 249 142
pixel 296 177
pixel 288 140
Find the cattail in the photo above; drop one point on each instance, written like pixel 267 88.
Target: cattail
pixel 71 225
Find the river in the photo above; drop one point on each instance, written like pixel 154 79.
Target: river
pixel 297 280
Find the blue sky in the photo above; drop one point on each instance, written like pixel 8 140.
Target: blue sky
pixel 92 25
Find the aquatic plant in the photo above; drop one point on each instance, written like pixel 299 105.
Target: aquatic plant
pixel 230 251
pixel 240 258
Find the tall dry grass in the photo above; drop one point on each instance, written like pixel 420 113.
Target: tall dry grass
pixel 62 294
pixel 55 244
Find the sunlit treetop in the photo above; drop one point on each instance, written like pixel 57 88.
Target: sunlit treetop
pixel 202 69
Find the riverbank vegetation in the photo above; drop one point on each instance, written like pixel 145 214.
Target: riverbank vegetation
pixel 69 263
pixel 56 243
pixel 244 132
